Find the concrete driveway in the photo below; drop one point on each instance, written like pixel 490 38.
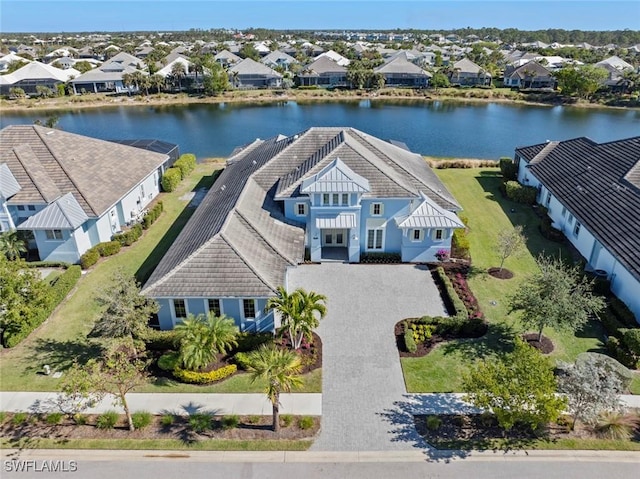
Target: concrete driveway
pixel 362 378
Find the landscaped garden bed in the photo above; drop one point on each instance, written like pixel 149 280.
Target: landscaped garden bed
pixel 200 426
pixel 481 431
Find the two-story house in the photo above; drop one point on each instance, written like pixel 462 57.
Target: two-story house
pixel 327 193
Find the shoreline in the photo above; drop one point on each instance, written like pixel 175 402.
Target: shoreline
pixel 266 96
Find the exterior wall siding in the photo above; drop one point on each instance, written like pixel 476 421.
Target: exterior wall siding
pixel 426 249
pixel 627 289
pixel 57 250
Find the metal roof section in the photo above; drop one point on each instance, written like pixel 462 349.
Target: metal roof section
pixel 335 177
pixel 9 186
pixel 64 213
pixel 336 221
pixel 429 215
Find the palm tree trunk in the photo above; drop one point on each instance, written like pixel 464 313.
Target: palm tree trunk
pixel 276 414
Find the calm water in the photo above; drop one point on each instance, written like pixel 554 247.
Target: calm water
pixel 438 129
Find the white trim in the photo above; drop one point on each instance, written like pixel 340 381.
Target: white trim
pixel 206 305
pixel 412 236
pixel 54 239
pixel 434 235
pixel 381 249
pixel 255 309
pixel 373 207
pixel 296 209
pixel 173 309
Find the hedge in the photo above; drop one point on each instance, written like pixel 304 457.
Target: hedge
pixel 58 291
pixel 520 194
pixel 380 258
pixel 152 215
pixel 508 169
pixel 186 164
pixel 89 258
pixel 409 340
pixel 195 377
pixel 458 304
pixel 623 313
pixel 242 360
pixel 108 248
pixel 169 361
pixel 171 179
pixel 129 237
pixel 92 255
pixel 47 264
pixel 155 340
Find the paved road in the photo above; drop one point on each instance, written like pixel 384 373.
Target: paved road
pixel 363 394
pixel 321 465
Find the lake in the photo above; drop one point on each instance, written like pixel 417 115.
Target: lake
pixel 450 129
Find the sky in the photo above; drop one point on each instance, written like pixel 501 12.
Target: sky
pixel 166 15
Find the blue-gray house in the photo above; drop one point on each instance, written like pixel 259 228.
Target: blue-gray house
pixel 332 193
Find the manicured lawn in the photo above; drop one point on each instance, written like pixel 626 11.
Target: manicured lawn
pixel 477 190
pixel 540 444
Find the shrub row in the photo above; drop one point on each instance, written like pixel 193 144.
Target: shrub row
pixel 47 264
pixel 58 291
pixel 460 240
pixel 463 164
pixel 519 193
pixel 508 169
pixel 626 347
pixel 455 326
pixel 458 304
pixel 153 214
pixel 409 340
pixel 155 340
pixel 129 237
pixel 549 232
pixel 195 377
pixel 380 258
pixel 242 360
pixel 623 313
pixel 171 179
pixel 92 255
pixel 186 164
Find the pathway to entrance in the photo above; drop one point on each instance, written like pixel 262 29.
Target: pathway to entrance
pixel 364 402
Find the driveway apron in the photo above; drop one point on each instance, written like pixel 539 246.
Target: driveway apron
pixel 361 375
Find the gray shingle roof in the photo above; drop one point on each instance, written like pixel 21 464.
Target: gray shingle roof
pixel 9 186
pixel 49 163
pixel 252 67
pixel 238 242
pixel 401 65
pixel 335 177
pixel 593 181
pixel 64 213
pixel 322 65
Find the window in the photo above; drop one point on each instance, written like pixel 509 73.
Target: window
pixel 249 308
pixel 301 209
pixel 179 308
pixel 345 199
pixel 416 235
pixel 53 235
pixel 548 199
pixel 20 207
pixel 214 306
pixel 31 208
pixel 438 235
pixel 576 229
pixel 336 199
pixel 376 209
pixel 374 239
pixel 328 238
pixel 325 199
pixel 570 218
pixel 564 212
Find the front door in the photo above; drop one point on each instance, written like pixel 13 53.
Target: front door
pixel 334 238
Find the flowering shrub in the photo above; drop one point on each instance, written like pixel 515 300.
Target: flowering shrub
pixel 195 377
pixel 459 282
pixel 442 255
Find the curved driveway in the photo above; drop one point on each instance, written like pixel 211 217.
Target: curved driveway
pixel 363 391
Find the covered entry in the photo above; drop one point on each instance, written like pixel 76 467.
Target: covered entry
pixel 334 235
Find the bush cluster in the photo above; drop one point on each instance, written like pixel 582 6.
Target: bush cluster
pixel 519 193
pixel 186 164
pixel 129 237
pixel 92 255
pixel 454 299
pixel 460 241
pixel 305 422
pixel 242 360
pixel 422 332
pixel 508 169
pixel 155 340
pixel 141 419
pixel 153 214
pixel 195 377
pixel 168 361
pixel 409 339
pixel 107 420
pixel 57 292
pixel 548 231
pixel 623 331
pixel 171 179
pixel 462 164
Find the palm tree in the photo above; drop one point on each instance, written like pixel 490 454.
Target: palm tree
pixel 156 81
pixel 178 72
pixel 285 304
pixel 281 369
pixel 311 309
pixel 201 339
pixel 11 245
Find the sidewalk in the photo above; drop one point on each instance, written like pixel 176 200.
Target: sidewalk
pixel 169 403
pixel 241 404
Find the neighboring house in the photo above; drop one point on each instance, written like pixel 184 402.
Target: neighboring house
pixel 278 59
pixel 226 58
pixel 616 69
pixel 108 76
pixel 400 72
pixel 332 193
pixel 323 72
pixel 466 73
pixel 71 191
pixel 250 74
pixel 8 59
pixel 33 75
pixel 592 192
pixel 336 57
pixel 167 70
pixel 531 75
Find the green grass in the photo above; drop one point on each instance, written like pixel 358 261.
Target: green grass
pixel 239 383
pixel 477 190
pixel 63 337
pixel 160 444
pixel 634 388
pixel 572 444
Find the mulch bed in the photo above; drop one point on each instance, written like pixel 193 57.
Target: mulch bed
pixel 503 273
pixel 249 428
pixel 424 348
pixel 545 346
pixel 311 353
pixel 483 427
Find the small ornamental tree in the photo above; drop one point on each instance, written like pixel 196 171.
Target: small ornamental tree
pixel 510 243
pixel 556 296
pixel 592 388
pixel 519 387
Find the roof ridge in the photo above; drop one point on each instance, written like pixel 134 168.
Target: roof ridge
pixel 247 263
pixel 65 171
pixel 251 225
pixel 546 150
